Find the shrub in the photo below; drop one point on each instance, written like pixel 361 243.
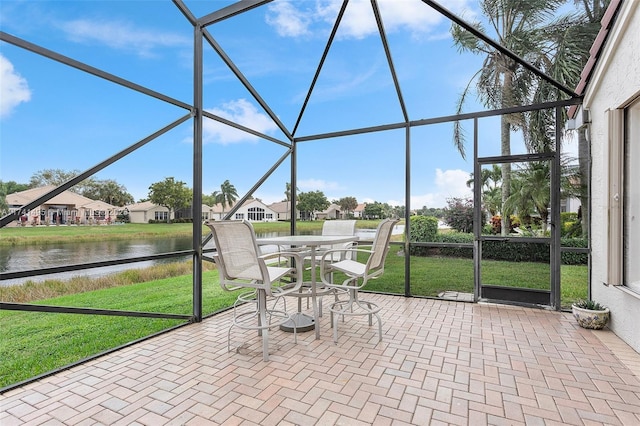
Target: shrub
pixel 571 258
pixel 499 250
pixel 496 223
pixel 459 214
pixel 456 238
pixel 423 229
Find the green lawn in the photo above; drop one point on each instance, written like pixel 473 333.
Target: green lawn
pixel 64 233
pixel 35 342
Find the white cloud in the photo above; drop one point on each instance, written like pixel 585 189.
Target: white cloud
pixel 122 36
pixel 287 20
pixel 241 112
pixel 307 185
pixel 14 88
pixel 358 21
pixel 449 184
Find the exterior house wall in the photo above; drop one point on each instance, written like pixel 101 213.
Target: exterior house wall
pixel 65 208
pixel 244 213
pixel 138 216
pixel 333 212
pixel 144 214
pixel 616 81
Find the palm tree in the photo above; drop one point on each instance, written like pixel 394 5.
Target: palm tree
pixel 521 27
pixel 530 192
pixel 574 39
pixel 227 195
pixel 490 180
pixel 287 192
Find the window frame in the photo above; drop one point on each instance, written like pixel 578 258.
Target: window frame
pixel 631 197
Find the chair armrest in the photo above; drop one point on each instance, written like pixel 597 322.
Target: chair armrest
pixel 297 270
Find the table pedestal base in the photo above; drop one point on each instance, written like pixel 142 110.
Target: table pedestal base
pixel 302 321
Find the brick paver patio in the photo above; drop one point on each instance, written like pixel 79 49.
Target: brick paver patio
pixel 441 362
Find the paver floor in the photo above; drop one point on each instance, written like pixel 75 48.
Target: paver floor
pixel 440 362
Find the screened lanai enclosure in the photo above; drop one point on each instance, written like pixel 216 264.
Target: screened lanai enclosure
pixel 265 96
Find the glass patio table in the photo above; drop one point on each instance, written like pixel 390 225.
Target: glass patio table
pixel 305 322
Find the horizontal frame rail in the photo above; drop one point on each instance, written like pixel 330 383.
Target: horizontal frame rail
pixel 7 306
pixel 81 266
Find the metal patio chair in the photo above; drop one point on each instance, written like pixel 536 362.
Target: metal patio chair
pixel 357 275
pixel 241 266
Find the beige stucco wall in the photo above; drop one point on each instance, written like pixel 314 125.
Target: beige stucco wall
pixel 615 82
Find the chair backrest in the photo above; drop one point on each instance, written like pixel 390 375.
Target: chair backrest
pixel 237 250
pixel 339 227
pixel 380 245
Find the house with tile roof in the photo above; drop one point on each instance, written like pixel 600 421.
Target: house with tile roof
pixel 147 211
pixel 282 210
pixel 252 210
pixel 358 213
pixel 332 212
pixel 66 208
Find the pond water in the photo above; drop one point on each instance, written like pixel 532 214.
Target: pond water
pixel 25 258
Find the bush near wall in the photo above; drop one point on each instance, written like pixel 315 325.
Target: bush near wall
pixel 498 250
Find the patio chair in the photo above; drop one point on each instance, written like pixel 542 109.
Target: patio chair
pixel 240 266
pixel 357 275
pixel 337 227
pixel 329 227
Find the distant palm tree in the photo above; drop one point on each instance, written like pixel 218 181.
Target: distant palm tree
pixel 522 27
pixel 287 192
pixel 530 192
pixel 227 195
pixel 490 180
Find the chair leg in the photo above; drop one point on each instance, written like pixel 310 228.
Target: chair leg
pixel 262 312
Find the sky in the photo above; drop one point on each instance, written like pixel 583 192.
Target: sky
pixel 53 116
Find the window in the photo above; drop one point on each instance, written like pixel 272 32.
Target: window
pixel 269 216
pixel 256 213
pixel 239 216
pixel 631 201
pixel 163 216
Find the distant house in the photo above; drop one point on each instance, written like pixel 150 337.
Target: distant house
pixel 252 210
pixel 282 210
pixel 145 211
pixel 65 208
pixel 332 212
pixel 358 213
pixel 187 213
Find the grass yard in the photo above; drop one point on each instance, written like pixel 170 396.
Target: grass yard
pixel 36 342
pixel 432 275
pixel 63 233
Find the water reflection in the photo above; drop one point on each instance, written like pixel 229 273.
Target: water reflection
pixel 25 258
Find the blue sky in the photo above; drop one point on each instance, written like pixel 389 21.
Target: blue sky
pixel 56 117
